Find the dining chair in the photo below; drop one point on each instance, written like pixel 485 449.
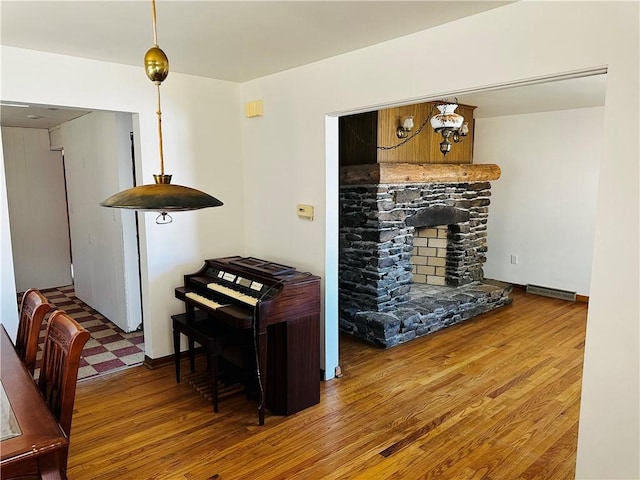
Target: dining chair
pixel 63 344
pixel 33 308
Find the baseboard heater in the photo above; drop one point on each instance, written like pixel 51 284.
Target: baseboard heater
pixel 551 292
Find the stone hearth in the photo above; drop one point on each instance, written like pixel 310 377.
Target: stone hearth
pixel 429 309
pixel 381 205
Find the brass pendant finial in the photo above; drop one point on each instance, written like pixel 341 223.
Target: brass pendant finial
pixel 156 64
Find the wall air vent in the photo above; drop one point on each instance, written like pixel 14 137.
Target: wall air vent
pixel 551 292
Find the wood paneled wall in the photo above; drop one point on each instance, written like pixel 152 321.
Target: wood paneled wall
pixel 358 138
pixel 361 134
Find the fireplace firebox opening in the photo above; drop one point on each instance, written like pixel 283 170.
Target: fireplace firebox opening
pixel 429 255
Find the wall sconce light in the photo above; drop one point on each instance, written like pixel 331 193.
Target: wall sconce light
pixel 407 125
pixel 450 125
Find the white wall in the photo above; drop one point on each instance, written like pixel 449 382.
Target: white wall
pixel 37 209
pixel 543 207
pixel 201 126
pixel 286 161
pixel 8 299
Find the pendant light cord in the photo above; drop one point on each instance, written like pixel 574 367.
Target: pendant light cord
pixel 159 114
pixel 153 17
pixel 158 111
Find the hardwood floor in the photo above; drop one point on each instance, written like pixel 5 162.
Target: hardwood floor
pixel 495 398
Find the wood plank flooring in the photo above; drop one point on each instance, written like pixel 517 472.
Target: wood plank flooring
pixel 496 397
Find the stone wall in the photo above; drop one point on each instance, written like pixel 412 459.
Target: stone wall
pixel 376 238
pixel 377 223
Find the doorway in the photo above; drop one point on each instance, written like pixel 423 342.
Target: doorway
pixel 537 108
pixel 47 232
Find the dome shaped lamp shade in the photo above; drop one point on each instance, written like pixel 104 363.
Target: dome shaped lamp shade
pixel 450 125
pixel 160 196
pixel 447 117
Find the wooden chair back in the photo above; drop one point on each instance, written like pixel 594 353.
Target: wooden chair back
pixel 33 308
pixel 63 345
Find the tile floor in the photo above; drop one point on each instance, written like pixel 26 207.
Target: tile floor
pixel 109 348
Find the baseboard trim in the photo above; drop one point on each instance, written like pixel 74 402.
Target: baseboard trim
pixel 153 363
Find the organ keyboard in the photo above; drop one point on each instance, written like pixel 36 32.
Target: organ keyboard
pixel 282 306
pixel 243 297
pixel 204 301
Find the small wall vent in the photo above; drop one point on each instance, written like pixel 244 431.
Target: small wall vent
pixel 551 292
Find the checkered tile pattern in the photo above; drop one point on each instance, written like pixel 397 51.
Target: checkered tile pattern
pixel 109 348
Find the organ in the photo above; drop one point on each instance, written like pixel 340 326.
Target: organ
pixel 282 308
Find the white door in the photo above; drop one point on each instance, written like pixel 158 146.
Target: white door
pixel 37 209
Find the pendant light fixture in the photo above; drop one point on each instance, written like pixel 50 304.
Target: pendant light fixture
pixel 162 196
pixel 450 125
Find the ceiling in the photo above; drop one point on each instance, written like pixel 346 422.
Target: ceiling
pixel 227 40
pixel 242 40
pixel 36 116
pixel 564 94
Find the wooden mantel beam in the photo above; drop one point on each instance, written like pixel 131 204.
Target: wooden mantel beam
pixel 398 173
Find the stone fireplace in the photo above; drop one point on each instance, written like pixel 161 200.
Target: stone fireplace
pixel 396 284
